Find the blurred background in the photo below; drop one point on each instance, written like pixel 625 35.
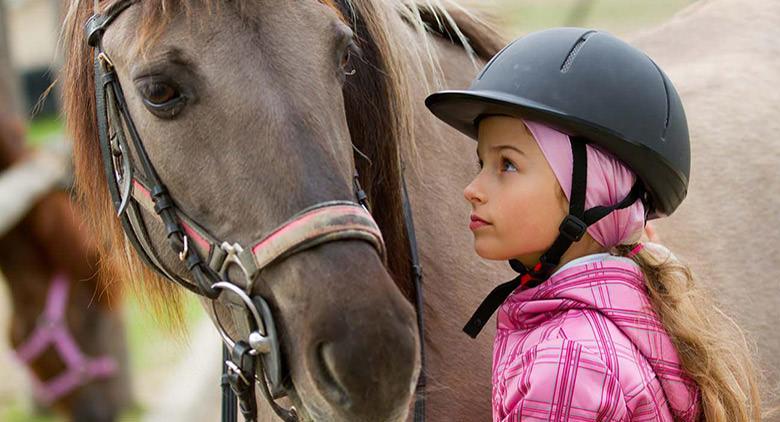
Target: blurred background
pixel 28 67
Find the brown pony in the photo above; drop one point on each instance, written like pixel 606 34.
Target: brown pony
pixel 49 244
pixel 274 109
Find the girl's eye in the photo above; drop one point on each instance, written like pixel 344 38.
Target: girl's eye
pixel 507 165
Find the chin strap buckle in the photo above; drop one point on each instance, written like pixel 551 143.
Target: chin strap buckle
pixel 573 228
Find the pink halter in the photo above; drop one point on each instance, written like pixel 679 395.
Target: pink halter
pixel 52 331
pixel 609 181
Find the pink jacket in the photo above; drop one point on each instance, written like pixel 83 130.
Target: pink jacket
pixel 586 346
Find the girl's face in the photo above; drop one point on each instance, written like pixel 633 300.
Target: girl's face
pixel 515 193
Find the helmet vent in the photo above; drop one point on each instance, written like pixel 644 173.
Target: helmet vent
pixel 666 91
pixel 574 50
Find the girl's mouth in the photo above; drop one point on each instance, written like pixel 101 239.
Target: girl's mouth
pixel 477 222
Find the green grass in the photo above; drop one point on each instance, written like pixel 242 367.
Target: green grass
pixel 18 413
pixel 44 128
pixel 617 16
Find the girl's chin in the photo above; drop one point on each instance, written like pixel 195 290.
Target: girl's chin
pixel 492 254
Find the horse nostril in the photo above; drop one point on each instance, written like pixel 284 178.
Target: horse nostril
pixel 362 375
pixel 328 376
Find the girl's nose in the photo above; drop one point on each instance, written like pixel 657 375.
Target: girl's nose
pixel 473 194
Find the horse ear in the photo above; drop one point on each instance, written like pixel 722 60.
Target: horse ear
pixel 476 27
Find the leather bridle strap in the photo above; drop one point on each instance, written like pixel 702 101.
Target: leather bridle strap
pixel 417 279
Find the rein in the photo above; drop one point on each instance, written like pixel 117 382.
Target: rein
pixel 52 331
pixel 208 259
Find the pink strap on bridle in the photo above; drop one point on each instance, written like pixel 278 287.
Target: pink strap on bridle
pixel 52 331
pixel 321 223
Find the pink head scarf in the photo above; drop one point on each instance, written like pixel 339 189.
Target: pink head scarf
pixel 609 181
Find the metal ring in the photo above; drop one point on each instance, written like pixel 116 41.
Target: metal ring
pixel 247 302
pixel 183 253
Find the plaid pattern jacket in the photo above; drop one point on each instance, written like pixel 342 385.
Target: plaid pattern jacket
pixel 587 346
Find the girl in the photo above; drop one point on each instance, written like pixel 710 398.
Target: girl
pixel 581 140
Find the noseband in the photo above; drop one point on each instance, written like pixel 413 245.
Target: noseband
pixel 208 259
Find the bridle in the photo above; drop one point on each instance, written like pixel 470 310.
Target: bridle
pixel 52 332
pixel 208 259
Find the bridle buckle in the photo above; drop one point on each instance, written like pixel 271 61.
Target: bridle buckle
pixel 234 254
pixel 232 367
pixel 107 63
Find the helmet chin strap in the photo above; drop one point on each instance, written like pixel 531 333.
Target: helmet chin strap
pixel 571 230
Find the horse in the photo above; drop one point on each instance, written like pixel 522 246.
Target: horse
pixel 724 62
pixel 65 327
pixel 309 82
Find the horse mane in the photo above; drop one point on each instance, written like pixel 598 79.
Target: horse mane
pixel 378 100
pixel 378 103
pixel 119 260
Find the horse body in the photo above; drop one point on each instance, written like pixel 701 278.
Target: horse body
pixel 724 59
pixel 47 243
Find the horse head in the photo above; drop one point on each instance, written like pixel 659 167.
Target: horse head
pixel 224 133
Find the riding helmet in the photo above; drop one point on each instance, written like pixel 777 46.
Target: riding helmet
pixel 589 84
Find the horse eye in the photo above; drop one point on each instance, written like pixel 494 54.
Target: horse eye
pixel 159 93
pixel 163 99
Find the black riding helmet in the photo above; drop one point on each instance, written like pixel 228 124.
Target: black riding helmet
pixel 595 88
pixel 586 83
